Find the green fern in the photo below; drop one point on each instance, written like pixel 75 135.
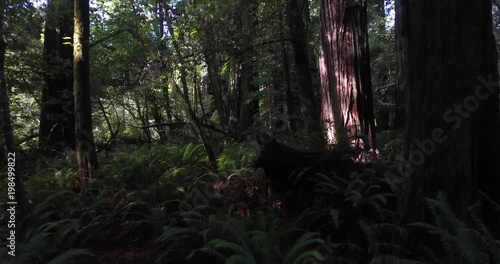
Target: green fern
pixel 171 233
pixel 302 249
pixel 69 255
pixel 468 244
pixel 389 259
pixel 261 246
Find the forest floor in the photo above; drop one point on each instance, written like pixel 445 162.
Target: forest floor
pixel 263 205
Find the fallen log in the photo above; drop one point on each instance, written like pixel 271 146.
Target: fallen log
pixel 289 171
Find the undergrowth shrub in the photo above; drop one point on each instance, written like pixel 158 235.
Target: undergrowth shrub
pixel 262 238
pixel 47 234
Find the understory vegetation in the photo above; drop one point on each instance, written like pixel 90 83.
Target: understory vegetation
pixel 164 204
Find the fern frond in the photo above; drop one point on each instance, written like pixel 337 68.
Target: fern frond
pixel 239 259
pixel 239 249
pixel 302 245
pixel 314 255
pixel 389 259
pixel 70 254
pixel 170 233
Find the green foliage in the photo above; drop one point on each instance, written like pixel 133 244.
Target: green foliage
pixel 461 242
pixel 38 249
pixel 49 232
pixel 68 255
pixel 358 190
pixel 470 244
pixel 236 158
pixel 165 170
pixel 391 143
pixel 23 64
pixel 254 240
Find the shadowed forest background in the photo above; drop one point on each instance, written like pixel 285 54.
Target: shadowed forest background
pixel 249 132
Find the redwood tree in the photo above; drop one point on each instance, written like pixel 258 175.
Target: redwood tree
pixel 402 28
pixel 298 20
pixel 452 107
pixel 57 122
pixel 249 107
pixel 85 149
pixel 346 92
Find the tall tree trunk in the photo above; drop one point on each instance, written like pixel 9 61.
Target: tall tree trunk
pixel 196 125
pixel 249 107
pixel 452 108
pixel 290 97
pixel 185 104
pixel 3 159
pixel 185 88
pixel 347 99
pixel 162 46
pixel 57 121
pixel 85 148
pixel 298 19
pixel 402 35
pixel 158 118
pixel 6 125
pixel 215 86
pixel 276 98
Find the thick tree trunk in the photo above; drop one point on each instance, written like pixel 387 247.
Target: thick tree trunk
pixel 85 148
pixel 57 121
pixel 402 35
pixel 298 19
pixel 6 126
pixel 347 100
pixel 452 107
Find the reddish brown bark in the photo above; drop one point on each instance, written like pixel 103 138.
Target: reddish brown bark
pixel 452 107
pixel 346 92
pixel 57 121
pixel 85 148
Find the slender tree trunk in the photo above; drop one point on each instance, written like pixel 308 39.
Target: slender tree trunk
pixel 215 88
pixel 290 97
pixel 85 149
pixel 196 125
pixel 157 116
pixel 276 100
pixel 57 121
pixel 249 107
pixel 161 7
pixel 185 88
pixel 452 107
pixel 6 126
pixel 402 78
pixel 347 100
pixel 3 159
pixel 185 104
